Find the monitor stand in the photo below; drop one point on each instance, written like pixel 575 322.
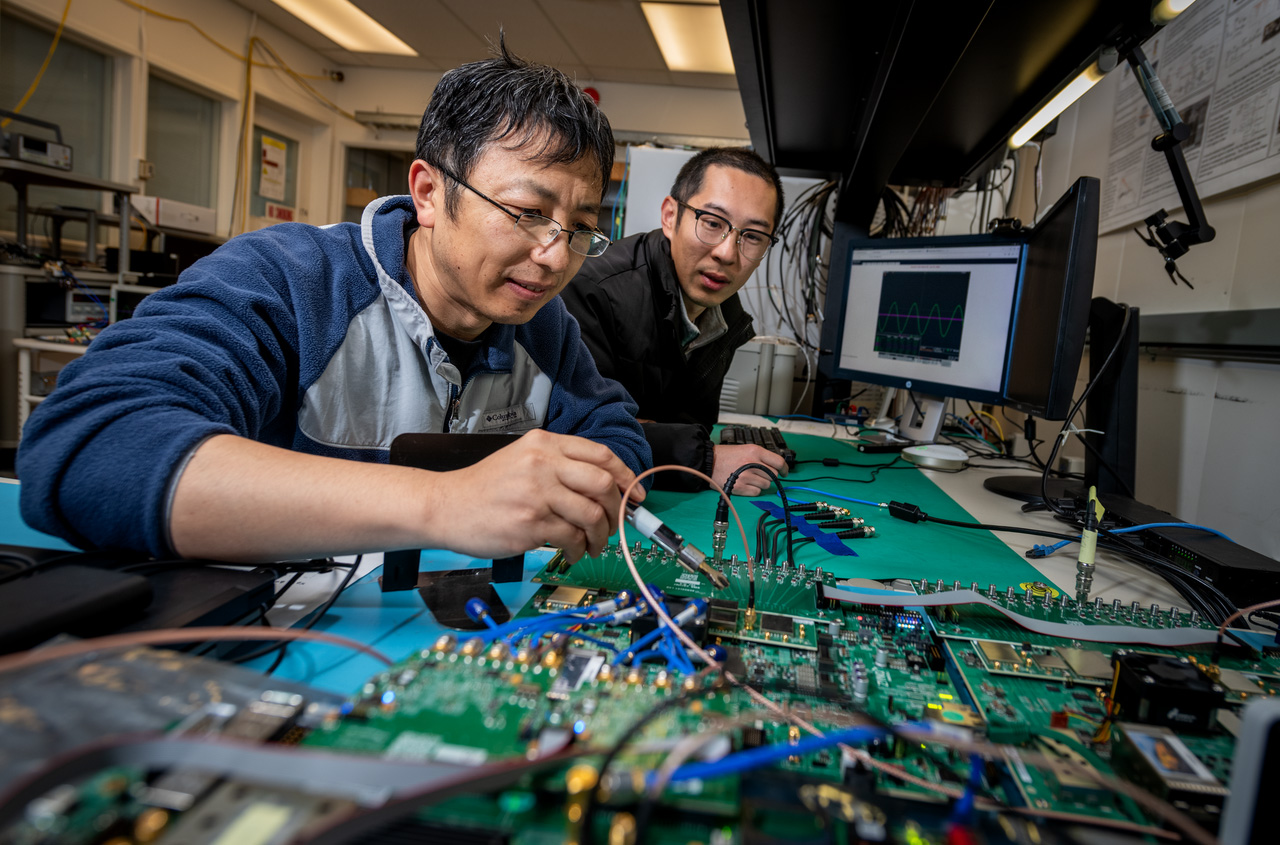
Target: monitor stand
pixel 1026 488
pixel 922 418
pixel 1111 413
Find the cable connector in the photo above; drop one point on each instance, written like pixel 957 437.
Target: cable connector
pixel 687 555
pixel 1088 547
pixel 856 533
pixel 836 524
pixel 719 536
pixel 1039 550
pixel 906 511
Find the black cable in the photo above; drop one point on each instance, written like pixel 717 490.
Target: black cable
pixel 1075 409
pixel 760 523
pixel 17 560
pixel 1105 464
pixel 35 565
pixel 310 623
pixel 1034 532
pixel 722 509
pixel 912 396
pixel 1121 543
pixel 592 802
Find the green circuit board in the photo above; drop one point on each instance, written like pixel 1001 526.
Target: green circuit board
pixel 470 699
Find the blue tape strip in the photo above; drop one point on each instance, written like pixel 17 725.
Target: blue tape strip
pixel 829 543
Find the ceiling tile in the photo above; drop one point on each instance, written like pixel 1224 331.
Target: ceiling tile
pixel 607 33
pixel 602 40
pixel 529 32
pixel 429 27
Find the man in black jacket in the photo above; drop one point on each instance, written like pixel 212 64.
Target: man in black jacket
pixel 660 311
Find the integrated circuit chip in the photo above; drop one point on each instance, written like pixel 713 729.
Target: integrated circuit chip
pixel 566 598
pixel 1087 663
pixel 722 613
pixel 1050 662
pixel 776 624
pixel 999 652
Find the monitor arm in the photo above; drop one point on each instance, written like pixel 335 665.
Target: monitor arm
pixel 1171 238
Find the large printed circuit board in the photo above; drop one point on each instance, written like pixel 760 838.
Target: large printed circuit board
pixel 556 677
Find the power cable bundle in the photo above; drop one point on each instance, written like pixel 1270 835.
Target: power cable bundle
pixel 799 295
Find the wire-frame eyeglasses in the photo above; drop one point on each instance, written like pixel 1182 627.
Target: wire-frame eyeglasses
pixel 542 229
pixel 712 229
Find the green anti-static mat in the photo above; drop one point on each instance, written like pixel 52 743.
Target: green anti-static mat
pixel 899 549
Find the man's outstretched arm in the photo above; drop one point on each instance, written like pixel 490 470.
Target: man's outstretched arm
pixel 242 500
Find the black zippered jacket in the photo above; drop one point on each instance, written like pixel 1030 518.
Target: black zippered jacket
pixel 627 302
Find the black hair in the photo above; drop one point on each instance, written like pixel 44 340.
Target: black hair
pixel 514 102
pixel 689 179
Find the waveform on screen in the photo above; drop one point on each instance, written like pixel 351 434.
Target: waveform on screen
pixel 921 315
pixel 945 324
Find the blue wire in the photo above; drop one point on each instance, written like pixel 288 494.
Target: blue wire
pixel 518 628
pixel 754 758
pixel 676 653
pixel 1050 549
pixel 833 496
pixel 963 813
pixel 967 425
pixel 803 417
pixel 106 312
pixel 641 656
pixel 638 644
pixel 578 635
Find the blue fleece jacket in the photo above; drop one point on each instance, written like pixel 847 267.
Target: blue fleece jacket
pixel 301 337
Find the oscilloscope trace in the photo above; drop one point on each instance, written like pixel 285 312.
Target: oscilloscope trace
pixel 921 315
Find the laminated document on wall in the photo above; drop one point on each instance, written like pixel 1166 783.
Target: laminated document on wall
pixel 1220 62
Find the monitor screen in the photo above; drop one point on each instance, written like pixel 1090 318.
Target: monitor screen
pixel 1053 308
pixel 931 315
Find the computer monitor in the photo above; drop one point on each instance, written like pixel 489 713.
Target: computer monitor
pixel 1053 305
pixel 928 315
pixel 983 318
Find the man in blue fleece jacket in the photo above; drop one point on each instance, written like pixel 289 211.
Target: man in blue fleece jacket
pixel 246 412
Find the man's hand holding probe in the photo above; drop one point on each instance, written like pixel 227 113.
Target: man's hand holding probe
pixel 552 488
pixel 242 500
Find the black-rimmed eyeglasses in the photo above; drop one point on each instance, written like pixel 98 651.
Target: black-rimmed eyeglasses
pixel 712 229
pixel 544 230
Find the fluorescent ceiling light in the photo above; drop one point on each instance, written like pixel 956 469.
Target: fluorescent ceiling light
pixel 691 36
pixel 1075 90
pixel 344 24
pixel 1167 10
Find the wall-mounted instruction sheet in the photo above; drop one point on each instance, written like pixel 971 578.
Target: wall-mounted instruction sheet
pixel 1220 63
pixel 275 164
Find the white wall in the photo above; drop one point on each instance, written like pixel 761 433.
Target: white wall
pixel 140 41
pixel 1207 451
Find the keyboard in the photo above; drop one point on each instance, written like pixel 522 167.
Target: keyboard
pixel 766 436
